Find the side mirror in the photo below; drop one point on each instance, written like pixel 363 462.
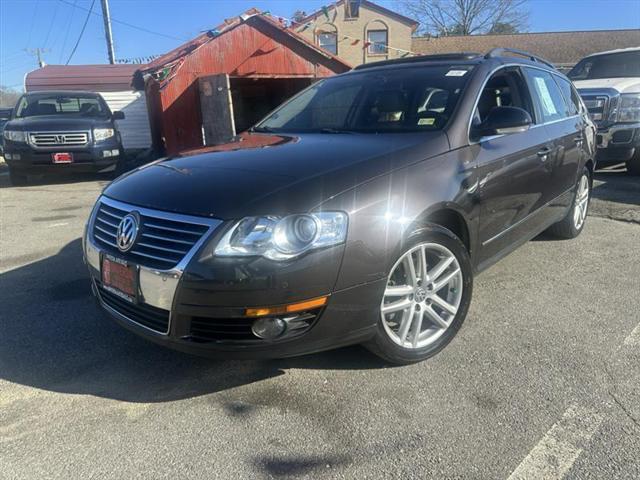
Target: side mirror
pixel 117 115
pixel 503 121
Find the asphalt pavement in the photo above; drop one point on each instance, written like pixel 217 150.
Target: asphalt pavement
pixel 543 381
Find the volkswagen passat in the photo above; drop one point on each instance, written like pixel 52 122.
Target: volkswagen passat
pixel 357 212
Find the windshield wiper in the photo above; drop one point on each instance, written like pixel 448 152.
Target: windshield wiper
pixel 261 130
pixel 335 130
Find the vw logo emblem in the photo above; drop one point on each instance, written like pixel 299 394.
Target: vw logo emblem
pixel 420 295
pixel 127 232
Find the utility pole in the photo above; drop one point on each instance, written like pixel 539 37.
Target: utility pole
pixel 37 52
pixel 107 31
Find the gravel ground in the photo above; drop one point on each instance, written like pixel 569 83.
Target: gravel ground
pixel 543 380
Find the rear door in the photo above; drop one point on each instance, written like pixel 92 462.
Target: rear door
pixel 564 126
pixel 513 179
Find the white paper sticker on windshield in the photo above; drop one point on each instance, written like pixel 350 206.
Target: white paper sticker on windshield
pixel 455 73
pixel 545 96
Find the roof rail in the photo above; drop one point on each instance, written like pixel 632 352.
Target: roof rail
pixel 498 52
pixel 421 58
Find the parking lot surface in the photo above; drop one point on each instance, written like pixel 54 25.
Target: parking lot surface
pixel 543 380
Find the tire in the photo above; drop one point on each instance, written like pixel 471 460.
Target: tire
pixel 633 164
pixel 569 227
pixel 17 179
pixel 395 339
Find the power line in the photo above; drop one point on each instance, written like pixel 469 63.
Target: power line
pixel 33 21
pixel 66 31
pixel 53 22
pixel 142 29
pixel 86 20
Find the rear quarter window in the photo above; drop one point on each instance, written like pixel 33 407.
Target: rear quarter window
pixel 571 98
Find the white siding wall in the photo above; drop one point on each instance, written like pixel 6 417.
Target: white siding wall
pixel 134 129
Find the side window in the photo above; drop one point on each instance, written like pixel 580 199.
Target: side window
pixel 546 94
pixel 570 97
pixel 506 88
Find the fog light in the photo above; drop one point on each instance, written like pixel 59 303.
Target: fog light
pixel 106 153
pixel 115 153
pixel 268 328
pixel 7 156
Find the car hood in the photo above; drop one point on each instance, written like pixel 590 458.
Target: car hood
pixel 56 123
pixel 271 174
pixel 622 85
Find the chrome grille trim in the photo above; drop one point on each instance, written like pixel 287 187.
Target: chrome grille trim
pixel 598 107
pixel 59 139
pixel 166 241
pixel 600 103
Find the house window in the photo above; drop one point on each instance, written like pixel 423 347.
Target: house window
pixel 328 39
pixel 378 42
pixel 352 9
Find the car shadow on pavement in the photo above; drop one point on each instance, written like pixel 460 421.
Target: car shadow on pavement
pixel 43 180
pixel 55 337
pixel 614 184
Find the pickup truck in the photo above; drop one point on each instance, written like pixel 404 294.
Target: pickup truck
pixel 61 131
pixel 609 84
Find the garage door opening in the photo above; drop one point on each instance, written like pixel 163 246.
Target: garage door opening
pixel 231 105
pixel 254 98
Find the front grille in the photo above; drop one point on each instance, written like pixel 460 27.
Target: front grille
pixel 162 242
pixel 59 139
pixel 146 315
pixel 597 106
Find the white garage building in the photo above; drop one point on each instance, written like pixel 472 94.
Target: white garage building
pixel 114 83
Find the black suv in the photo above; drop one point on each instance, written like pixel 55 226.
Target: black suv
pixel 61 132
pixel 357 212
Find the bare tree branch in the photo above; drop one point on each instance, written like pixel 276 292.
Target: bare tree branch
pixel 467 17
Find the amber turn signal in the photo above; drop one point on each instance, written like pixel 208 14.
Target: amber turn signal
pixel 290 308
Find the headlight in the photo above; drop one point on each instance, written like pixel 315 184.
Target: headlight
pixel 15 136
pixel 100 134
pixel 629 107
pixel 283 238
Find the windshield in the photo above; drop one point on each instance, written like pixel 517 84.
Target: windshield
pixel 401 100
pixel 82 105
pixel 615 65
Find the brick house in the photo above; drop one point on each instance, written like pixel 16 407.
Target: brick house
pixel 564 49
pixel 359 31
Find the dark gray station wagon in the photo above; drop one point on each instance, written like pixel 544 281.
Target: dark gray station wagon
pixel 357 212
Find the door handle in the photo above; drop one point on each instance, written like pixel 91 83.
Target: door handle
pixel 544 154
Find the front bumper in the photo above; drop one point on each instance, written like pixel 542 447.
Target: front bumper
pixel 199 305
pixel 21 157
pixel 619 140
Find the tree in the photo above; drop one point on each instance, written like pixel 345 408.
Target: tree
pixel 298 16
pixel 503 29
pixel 466 17
pixel 8 97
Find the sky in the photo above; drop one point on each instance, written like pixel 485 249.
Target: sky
pixel 55 25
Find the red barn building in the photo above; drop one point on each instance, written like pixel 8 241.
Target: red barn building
pixel 226 79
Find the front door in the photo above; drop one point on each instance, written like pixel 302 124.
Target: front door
pixel 513 176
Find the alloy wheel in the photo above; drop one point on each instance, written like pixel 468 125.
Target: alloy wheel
pixel 422 296
pixel 581 202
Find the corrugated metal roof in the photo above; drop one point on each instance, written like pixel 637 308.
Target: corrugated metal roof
pixel 251 15
pixel 96 78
